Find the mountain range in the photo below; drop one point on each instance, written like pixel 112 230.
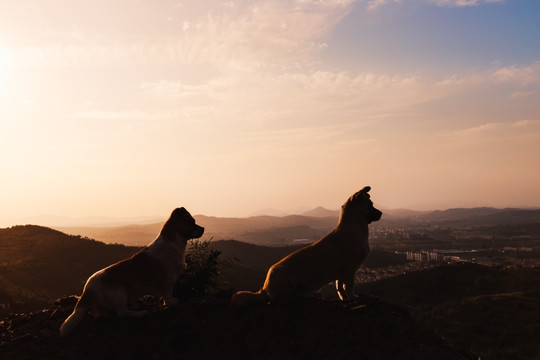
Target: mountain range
pixel 311 225
pixel 105 221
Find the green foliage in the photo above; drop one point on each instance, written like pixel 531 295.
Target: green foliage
pixel 200 275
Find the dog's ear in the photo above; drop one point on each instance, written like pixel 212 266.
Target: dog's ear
pixel 178 211
pixel 363 192
pixel 178 214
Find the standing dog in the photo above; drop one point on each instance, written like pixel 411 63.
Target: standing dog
pixel 154 269
pixel 336 257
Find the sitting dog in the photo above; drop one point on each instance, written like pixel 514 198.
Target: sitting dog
pixel 154 269
pixel 336 257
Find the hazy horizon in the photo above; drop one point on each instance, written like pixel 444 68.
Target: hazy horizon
pixel 132 108
pixel 51 220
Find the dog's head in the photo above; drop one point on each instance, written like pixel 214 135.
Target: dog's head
pixel 182 223
pixel 360 205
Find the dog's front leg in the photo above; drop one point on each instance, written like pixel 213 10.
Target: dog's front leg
pixel 345 287
pixel 340 288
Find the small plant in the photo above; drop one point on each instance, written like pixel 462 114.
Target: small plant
pixel 200 275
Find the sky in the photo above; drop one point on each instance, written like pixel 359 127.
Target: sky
pixel 131 108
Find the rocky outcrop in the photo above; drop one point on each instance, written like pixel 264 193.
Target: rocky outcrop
pixel 209 328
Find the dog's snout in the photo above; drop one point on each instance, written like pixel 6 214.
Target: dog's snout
pixel 375 215
pixel 197 232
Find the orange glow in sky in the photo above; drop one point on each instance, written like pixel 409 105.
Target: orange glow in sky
pixel 132 108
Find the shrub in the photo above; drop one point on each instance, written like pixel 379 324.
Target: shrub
pixel 200 275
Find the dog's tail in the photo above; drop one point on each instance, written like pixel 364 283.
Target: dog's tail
pixel 243 298
pixel 78 314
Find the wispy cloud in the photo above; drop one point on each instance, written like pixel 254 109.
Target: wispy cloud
pixel 528 123
pixel 295 98
pixel 522 94
pixel 523 74
pixel 118 115
pixel 463 3
pixel 374 4
pixel 242 34
pixel 291 100
pixel 167 89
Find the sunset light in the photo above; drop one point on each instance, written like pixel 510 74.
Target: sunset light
pixel 5 64
pixel 132 108
pixel 270 179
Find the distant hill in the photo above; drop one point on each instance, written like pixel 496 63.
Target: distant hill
pixel 511 217
pixel 314 224
pixel 132 235
pixel 402 213
pixel 261 230
pixel 269 212
pixel 472 217
pixel 20 244
pixel 38 264
pixel 87 221
pixel 322 212
pixel 459 213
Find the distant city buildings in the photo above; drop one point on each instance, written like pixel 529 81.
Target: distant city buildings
pixel 424 256
pixel 385 233
pixel 437 255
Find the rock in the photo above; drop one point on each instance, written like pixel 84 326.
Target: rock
pixel 210 328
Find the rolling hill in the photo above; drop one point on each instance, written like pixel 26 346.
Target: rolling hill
pixel 39 264
pixel 322 212
pixel 261 230
pixel 490 312
pixel 314 224
pixel 471 217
